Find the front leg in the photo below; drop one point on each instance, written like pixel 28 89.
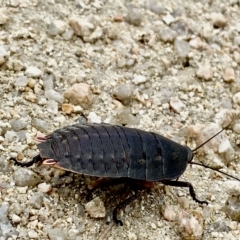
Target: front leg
pixel 184 184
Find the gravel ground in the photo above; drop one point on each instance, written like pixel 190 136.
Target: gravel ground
pixel 171 67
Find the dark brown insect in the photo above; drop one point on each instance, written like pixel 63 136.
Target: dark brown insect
pixel 125 154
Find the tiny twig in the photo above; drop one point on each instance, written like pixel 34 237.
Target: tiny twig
pixel 106 230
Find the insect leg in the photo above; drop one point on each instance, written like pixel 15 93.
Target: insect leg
pixel 26 164
pixel 184 184
pixel 134 186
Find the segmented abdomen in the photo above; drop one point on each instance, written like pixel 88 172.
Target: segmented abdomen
pixel 106 151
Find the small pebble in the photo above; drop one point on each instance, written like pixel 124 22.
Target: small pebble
pixel 229 75
pixel 19 124
pixel 189 226
pixel 36 201
pixel 134 17
pixel 33 72
pixel 95 208
pixel 96 34
pixel 153 226
pixel 4 16
pixel 224 117
pixel 232 206
pixel 117 18
pixel 72 233
pixel 40 124
pixel 25 177
pixel 205 72
pixel 168 19
pixel 236 127
pixel 182 47
pixel 54 95
pixel 197 43
pixel 67 108
pixel 16 218
pixel 236 98
pixel 52 106
pixel 48 82
pixel 137 79
pixel 177 105
pixel 44 187
pixel 132 236
pixel 33 234
pixel 10 136
pixel 169 213
pixel 79 94
pixel 167 35
pixel 218 20
pixel 81 27
pixel 123 93
pixel 30 96
pixel 3 55
pixel 14 3
pixel 124 116
pixel 56 234
pixel 220 227
pixel 21 81
pixel 22 190
pixel 94 118
pixel 57 27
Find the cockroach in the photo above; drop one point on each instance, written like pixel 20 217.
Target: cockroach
pixel 125 154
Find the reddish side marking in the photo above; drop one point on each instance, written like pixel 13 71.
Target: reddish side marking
pixel 49 162
pixel 145 184
pixel 54 163
pixel 40 139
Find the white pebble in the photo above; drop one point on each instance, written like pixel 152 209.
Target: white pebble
pixel 169 213
pixel 153 225
pixel 189 225
pixel 176 104
pixel 52 106
pixel 236 98
pixel 21 81
pixel 33 234
pixel 94 118
pixel 81 27
pixel 205 72
pixel 132 236
pixel 54 95
pixel 56 27
pixel 182 47
pixel 139 79
pixel 168 19
pixel 236 127
pixel 34 72
pixel 224 146
pixel 22 189
pixel 16 218
pixel 44 187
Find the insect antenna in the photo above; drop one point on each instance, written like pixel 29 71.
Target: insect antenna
pixel 200 164
pixel 216 170
pixel 194 150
